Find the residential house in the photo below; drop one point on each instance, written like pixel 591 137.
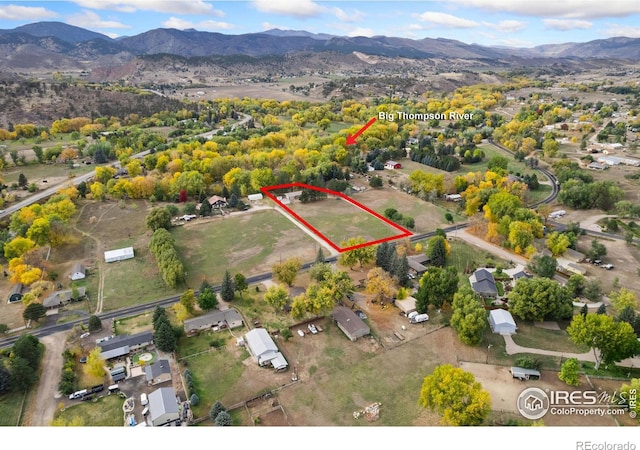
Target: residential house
pixel 17 291
pixel 391 165
pixel 61 298
pixel 124 344
pixel 163 407
pixel 349 322
pixel 228 318
pixel 78 272
pixel 217 202
pixel 263 350
pixel 483 283
pixel 417 264
pixel 501 322
pixel 120 254
pixel 158 372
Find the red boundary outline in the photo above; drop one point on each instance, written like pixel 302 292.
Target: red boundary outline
pixel 404 232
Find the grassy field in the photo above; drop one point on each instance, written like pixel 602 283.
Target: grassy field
pixel 10 408
pixel 38 172
pixel 134 324
pixel 340 220
pixel 531 336
pixel 105 412
pixel 248 243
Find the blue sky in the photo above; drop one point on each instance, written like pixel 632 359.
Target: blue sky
pixel 516 23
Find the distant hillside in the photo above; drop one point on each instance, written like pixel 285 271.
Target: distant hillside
pixel 62 31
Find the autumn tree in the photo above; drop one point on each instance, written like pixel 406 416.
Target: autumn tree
pixel 188 300
pixel 276 296
pixel 456 396
pixel 558 243
pixel 623 298
pixel 361 255
pixel 380 284
pixel 287 271
pixel 610 341
pixel 95 363
pixel 469 318
pixel 240 283
pixel 570 372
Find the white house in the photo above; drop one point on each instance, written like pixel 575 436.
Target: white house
pixel 264 350
pixel 118 255
pixel 502 322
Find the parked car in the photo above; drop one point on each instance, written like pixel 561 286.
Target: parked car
pixel 312 328
pixel 607 266
pixel 300 333
pixel 84 335
pixel 419 318
pixel 144 400
pixel 360 314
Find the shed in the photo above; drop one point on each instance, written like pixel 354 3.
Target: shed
pixel 349 322
pixel 254 197
pixel 502 322
pixel 408 305
pixel 158 372
pixel 163 407
pixel 78 272
pixel 16 293
pixel 118 255
pixel 391 165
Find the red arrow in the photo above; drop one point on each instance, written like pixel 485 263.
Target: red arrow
pixel 352 139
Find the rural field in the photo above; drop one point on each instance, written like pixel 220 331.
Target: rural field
pixel 249 243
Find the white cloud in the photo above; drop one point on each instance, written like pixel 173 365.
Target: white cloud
pixel 368 32
pixel 91 20
pixel 438 18
pixel 163 6
pixel 352 16
pixel 209 25
pixel 297 8
pixel 617 30
pixel 16 12
pixel 507 26
pixel 567 24
pixel 558 8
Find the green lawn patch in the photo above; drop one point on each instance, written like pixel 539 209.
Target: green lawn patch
pixel 10 404
pixel 105 412
pixel 500 288
pixel 134 324
pixel 613 371
pixel 531 336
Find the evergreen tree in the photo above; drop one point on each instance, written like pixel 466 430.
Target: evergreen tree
pixel 384 256
pixel 95 324
pixel 320 256
pixel 602 309
pixel 223 419
pixel 401 270
pixel 233 200
pixel 159 315
pixel 216 409
pixel 227 289
pixel 164 337
pixel 437 251
pixel 584 310
pixel 205 208
pixel 22 180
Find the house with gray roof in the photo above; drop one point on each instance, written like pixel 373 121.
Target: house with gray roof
pixel 78 272
pixel 349 322
pixel 60 298
pixel 483 283
pixel 124 344
pixel 158 372
pixel 228 318
pixel 163 407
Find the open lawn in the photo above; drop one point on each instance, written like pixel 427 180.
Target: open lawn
pixel 10 405
pixel 531 336
pixel 105 412
pixel 134 324
pixel 338 220
pixel 249 243
pixel 36 173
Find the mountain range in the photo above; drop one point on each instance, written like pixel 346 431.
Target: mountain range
pixel 57 43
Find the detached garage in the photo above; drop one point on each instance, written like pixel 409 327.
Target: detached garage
pixel 118 255
pixel 502 322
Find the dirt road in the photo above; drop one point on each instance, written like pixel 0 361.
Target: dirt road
pixel 41 413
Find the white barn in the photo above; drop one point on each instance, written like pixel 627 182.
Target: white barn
pixel 118 255
pixel 502 322
pixel 264 350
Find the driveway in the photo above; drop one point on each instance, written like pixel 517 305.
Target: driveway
pixel 46 401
